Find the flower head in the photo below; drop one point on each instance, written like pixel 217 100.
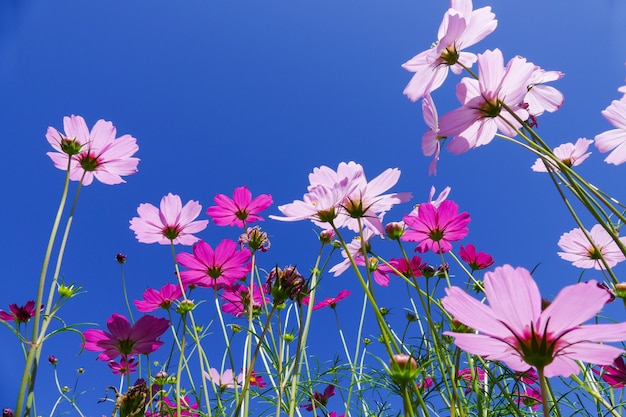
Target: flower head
pixel 614 140
pixel 168 408
pixel 461 28
pixel 540 97
pixel 319 399
pixel 529 397
pixel 124 339
pixel 237 300
pixel 241 210
pixel 614 374
pixel 96 153
pixel 330 302
pixel 285 284
pixel 125 366
pixel 476 260
pixel 153 299
pixel 434 228
pixel 578 250
pixel 19 314
pixel 514 328
pixel 431 145
pixel 214 268
pixel 569 153
pixel 172 223
pixel 224 380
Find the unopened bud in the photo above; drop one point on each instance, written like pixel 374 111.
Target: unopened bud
pixel 53 360
pixel 185 306
pixel 403 369
pixel 394 230
pixel 120 258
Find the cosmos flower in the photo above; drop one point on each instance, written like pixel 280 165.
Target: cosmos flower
pixel 171 223
pixel 329 302
pixel 319 399
pixel 461 28
pixel 578 250
pixel 168 408
pixel 475 260
pixel 514 329
pixel 126 365
pixel 614 140
pixel 19 314
pixel 569 153
pixel 124 339
pixel 541 98
pixel 434 228
pixel 529 397
pixel 241 210
pixel 153 299
pixel 214 268
pixel 237 300
pixel 483 112
pixel 93 154
pixel 224 380
pixel 614 374
pixel 431 145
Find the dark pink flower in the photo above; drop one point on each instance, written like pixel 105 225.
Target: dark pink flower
pixel 214 268
pixel 615 374
pixel 241 210
pixel 170 224
pixel 475 260
pixel 408 270
pixel 468 376
pixel 168 408
pixel 516 330
pixel 93 154
pixel 19 314
pixel 528 377
pixel 237 300
pixel 434 228
pixel 153 299
pixel 319 400
pixel 140 339
pixel 257 380
pixel 530 397
pixel 332 301
pixel 126 365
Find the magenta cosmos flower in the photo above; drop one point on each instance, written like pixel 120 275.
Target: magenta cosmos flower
pixel 96 153
pixel 125 366
pixel 514 329
pixel 434 228
pixel 475 260
pixel 214 268
pixel 124 339
pixel 240 210
pixel 319 399
pixel 614 140
pixel 461 27
pixel 482 113
pixel 569 153
pixel 172 223
pixel 237 300
pixel 614 374
pixel 153 299
pixel 329 302
pixel 19 314
pixel 578 250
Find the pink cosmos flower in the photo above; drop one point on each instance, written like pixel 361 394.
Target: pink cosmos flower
pixel 153 299
pixel 140 339
pixel 514 329
pixel 570 154
pixel 431 145
pixel 578 250
pixel 528 377
pixel 168 408
pixel 237 300
pixel 171 224
pixel 614 374
pixel 408 270
pixel 214 268
pixel 241 210
pixel 434 228
pixel 461 27
pixel 319 400
pixel 256 380
pixel 329 302
pixel 365 200
pixel 355 249
pixel 530 397
pixel 425 384
pixel 126 365
pixel 614 140
pixel 467 375
pixel 20 314
pixel 539 97
pixel 93 154
pixel 475 260
pixel 225 380
pixel 482 113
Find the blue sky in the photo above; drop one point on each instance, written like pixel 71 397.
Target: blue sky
pixel 224 94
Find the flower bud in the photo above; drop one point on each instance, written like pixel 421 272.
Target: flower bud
pixel 403 369
pixel 120 258
pixel 288 337
pixel 160 378
pixel 53 360
pixel 255 239
pixel 7 412
pixel 367 341
pixel 185 306
pixel 327 236
pixel 394 230
pixel 81 370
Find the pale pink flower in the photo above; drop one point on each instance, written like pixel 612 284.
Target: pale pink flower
pixel 123 339
pixel 431 145
pixel 355 249
pixel 540 97
pixel 482 113
pixel 241 210
pixel 171 224
pixel 96 153
pixel 514 329
pixel 217 268
pixel 461 28
pixel 434 228
pixel 614 140
pixel 224 380
pixel 578 250
pixel 153 299
pixel 443 195
pixel 569 153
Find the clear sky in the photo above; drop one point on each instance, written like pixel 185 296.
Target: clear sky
pixel 222 94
